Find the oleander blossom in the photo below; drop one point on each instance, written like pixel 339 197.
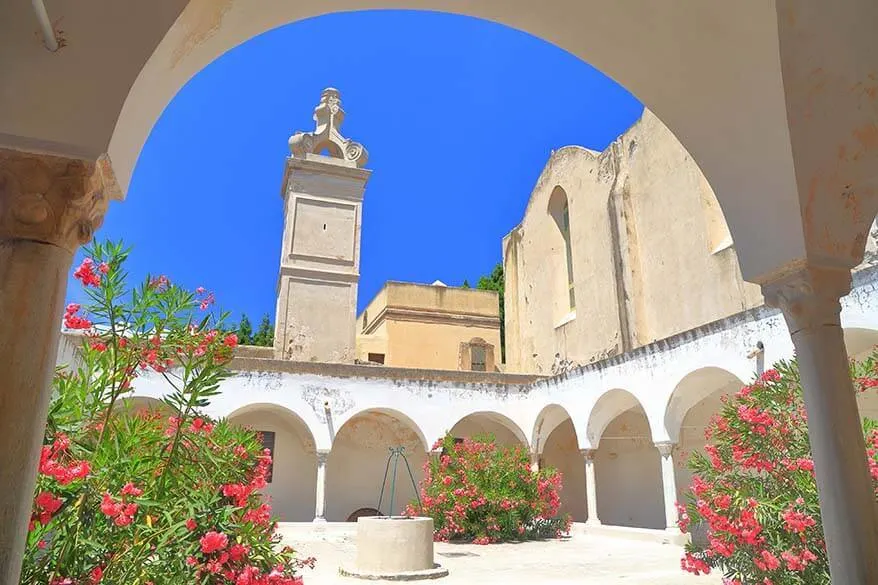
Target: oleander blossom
pixel 461 493
pixel 752 506
pixel 118 483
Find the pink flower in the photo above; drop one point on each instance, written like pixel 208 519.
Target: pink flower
pixel 96 575
pixel 213 541
pixel 131 490
pixel 191 524
pixel 85 274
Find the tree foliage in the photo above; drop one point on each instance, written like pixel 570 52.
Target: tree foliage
pixel 754 490
pixel 263 337
pixel 495 282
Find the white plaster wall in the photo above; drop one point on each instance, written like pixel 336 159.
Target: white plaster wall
pixel 358 460
pixel 628 474
pixel 561 452
pixel 292 491
pixel 326 397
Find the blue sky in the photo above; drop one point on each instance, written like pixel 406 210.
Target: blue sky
pixel 459 117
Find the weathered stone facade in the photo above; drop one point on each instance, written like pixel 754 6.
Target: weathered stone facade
pixel 431 326
pixel 649 249
pixel 320 255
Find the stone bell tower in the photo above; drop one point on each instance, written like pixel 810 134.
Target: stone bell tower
pixel 320 258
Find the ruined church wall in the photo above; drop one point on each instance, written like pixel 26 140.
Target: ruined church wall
pixel 652 255
pixel 682 263
pixel 538 324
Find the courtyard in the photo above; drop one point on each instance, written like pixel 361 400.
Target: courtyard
pixel 594 558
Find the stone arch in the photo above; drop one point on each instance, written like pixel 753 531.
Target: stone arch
pixel 696 389
pixel 860 341
pixel 547 421
pixel 696 397
pixel 504 429
pixel 628 476
pixel 292 489
pixel 707 72
pixel 357 463
pixel 415 427
pixel 138 404
pixel 554 438
pixel 608 406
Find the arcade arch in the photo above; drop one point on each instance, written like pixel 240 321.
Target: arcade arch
pixel 627 464
pixel 503 428
pixel 294 466
pixel 555 440
pixel 358 460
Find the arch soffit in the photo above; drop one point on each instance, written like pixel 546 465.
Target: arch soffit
pixel 391 412
pixel 500 419
pixel 610 404
pixel 284 412
pixel 549 419
pixel 860 340
pixel 176 60
pixel 688 391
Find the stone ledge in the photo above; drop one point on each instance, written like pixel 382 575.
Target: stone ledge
pixel 254 364
pixel 437 572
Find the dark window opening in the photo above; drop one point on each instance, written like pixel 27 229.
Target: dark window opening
pixel 377 358
pixel 268 443
pixel 478 358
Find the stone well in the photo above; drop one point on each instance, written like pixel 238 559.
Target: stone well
pixel 396 548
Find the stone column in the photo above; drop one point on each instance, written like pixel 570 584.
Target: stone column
pixel 669 485
pixel 535 462
pixel 809 300
pixel 591 492
pixel 48 207
pixel 320 506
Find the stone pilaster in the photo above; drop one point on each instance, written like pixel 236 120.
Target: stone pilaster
pixel 809 299
pixel 535 462
pixel 48 207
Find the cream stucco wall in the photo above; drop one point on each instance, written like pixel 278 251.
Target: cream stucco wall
pixel 652 255
pixel 424 326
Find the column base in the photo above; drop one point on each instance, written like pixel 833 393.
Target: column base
pixel 593 522
pixel 319 520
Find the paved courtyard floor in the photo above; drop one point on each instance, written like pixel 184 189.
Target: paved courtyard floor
pixel 582 558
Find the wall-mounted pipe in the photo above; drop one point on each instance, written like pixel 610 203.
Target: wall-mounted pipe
pixel 49 38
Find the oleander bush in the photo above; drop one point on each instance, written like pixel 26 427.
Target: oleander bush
pixel 161 497
pixel 483 492
pixel 754 490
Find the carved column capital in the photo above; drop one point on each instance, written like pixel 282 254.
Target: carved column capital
pixel 588 454
pixel 51 199
pixel 322 457
pixel 666 448
pixel 809 297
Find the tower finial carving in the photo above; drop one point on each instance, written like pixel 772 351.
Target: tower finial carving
pixel 328 117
